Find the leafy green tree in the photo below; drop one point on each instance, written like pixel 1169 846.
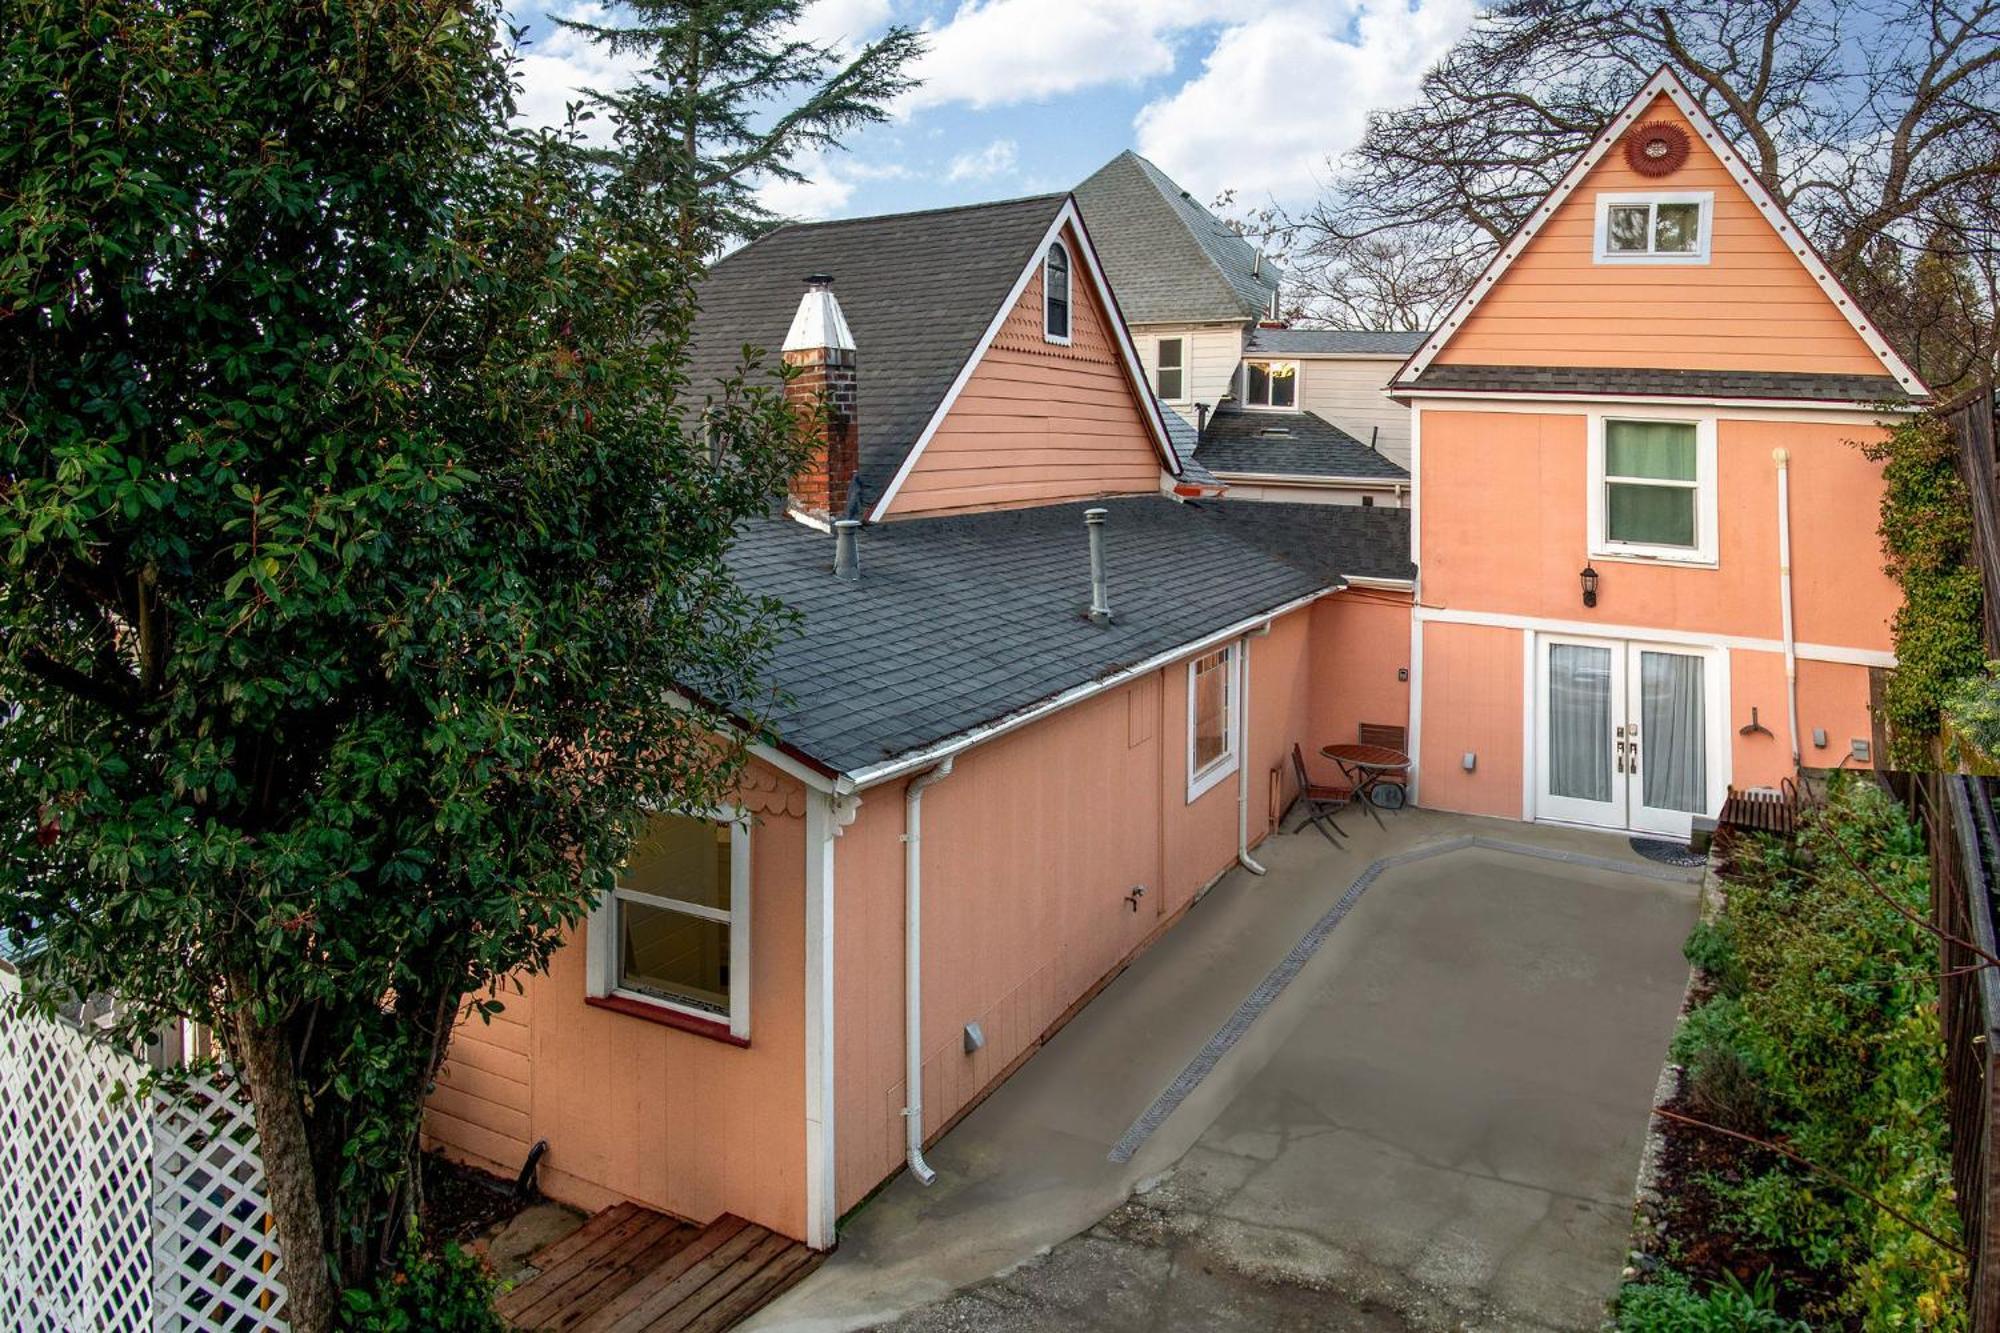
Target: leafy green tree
pixel 351 552
pixel 728 98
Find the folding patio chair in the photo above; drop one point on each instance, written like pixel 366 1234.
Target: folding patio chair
pixel 1320 800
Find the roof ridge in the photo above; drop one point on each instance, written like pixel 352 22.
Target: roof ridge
pixel 1052 197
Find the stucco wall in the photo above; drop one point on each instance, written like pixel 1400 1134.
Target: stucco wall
pixel 1472 703
pixel 1362 640
pixel 1504 530
pixel 636 1110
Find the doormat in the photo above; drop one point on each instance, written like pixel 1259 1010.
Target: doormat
pixel 1668 853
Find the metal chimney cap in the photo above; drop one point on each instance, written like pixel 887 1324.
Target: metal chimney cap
pixel 1094 515
pixel 818 280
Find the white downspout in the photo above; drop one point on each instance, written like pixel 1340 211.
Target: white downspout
pixel 1243 756
pixel 1783 459
pixel 913 969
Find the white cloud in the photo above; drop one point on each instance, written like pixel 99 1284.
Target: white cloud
pixel 844 25
pixel 1284 92
pixel 994 52
pixel 998 158
pixel 557 64
pixel 830 181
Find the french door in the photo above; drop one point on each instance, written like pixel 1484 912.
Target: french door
pixel 1624 734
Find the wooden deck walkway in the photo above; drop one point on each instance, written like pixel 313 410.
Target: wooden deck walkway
pixel 631 1270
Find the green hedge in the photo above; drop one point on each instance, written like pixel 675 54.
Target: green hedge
pixel 1823 1036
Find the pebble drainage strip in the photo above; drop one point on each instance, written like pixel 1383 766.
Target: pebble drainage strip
pixel 1301 953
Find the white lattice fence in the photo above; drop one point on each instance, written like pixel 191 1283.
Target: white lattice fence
pixel 119 1215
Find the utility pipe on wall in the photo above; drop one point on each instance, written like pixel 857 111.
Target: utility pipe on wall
pixel 1784 459
pixel 913 969
pixel 1243 755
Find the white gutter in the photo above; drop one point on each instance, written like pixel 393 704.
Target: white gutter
pixel 1243 754
pixel 1307 480
pixel 913 970
pixel 908 763
pixel 1783 459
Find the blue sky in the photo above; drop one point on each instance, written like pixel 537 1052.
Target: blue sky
pixel 1025 96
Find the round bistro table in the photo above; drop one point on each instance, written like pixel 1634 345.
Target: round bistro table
pixel 1369 769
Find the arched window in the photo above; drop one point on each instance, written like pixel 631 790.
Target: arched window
pixel 1055 294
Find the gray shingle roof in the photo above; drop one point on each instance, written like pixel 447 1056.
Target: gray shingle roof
pixel 966 619
pixel 1333 342
pixel 918 290
pixel 1239 441
pixel 1181 434
pixel 1168 258
pixel 1360 541
pixel 1662 383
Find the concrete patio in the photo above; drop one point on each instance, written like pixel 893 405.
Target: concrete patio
pixel 1418 1108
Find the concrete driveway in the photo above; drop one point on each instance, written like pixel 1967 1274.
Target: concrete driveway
pixel 1400 1085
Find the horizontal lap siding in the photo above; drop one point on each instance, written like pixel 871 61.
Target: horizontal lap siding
pixel 1209 356
pixel 1038 422
pixel 1752 306
pixel 1349 394
pixel 636 1110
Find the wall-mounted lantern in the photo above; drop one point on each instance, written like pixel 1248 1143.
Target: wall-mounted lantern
pixel 1589 577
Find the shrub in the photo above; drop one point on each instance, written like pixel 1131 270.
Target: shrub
pixel 1670 1304
pixel 1712 949
pixel 430 1291
pixel 1831 1046
pixel 1726 1073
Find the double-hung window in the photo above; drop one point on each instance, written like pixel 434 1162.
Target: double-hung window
pixel 674 932
pixel 1170 369
pixel 1653 488
pixel 1270 384
pixel 1055 294
pixel 1212 705
pixel 1654 228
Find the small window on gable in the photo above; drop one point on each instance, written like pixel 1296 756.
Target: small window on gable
pixel 1170 370
pixel 1270 384
pixel 1055 294
pixel 1654 229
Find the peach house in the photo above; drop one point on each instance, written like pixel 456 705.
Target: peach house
pixel 1043 693
pixel 1048 676
pixel 1649 566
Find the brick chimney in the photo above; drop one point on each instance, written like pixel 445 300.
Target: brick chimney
pixel 823 394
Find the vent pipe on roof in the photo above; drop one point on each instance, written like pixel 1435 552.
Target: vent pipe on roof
pixel 1100 604
pixel 846 550
pixel 1200 418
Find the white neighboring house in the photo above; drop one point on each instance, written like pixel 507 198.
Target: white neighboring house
pixel 1282 414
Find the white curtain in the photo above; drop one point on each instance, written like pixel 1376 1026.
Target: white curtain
pixel 1673 734
pixel 1580 722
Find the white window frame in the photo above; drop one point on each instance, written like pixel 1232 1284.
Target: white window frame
pixel 1223 765
pixel 1068 335
pixel 1699 255
pixel 1181 341
pixel 1298 383
pixel 602 945
pixel 1703 552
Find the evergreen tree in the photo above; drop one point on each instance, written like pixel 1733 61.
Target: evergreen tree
pixel 728 99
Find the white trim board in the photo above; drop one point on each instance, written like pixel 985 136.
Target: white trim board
pixel 1665 82
pixel 1809 652
pixel 822 1180
pixel 1128 354
pixel 1733 409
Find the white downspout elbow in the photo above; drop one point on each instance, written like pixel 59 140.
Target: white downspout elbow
pixel 1243 857
pixel 1783 459
pixel 913 970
